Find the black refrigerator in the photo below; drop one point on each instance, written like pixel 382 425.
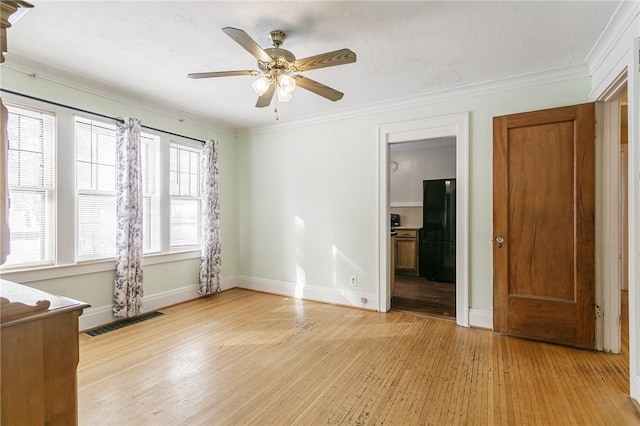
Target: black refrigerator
pixel 438 236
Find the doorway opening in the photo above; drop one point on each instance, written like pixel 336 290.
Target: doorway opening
pixel 454 126
pixel 422 196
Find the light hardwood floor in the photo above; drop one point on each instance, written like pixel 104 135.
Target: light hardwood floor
pixel 242 357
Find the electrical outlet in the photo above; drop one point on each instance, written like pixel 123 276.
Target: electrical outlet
pixel 363 300
pixel 354 280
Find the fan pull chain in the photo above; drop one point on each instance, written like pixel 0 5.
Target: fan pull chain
pixel 275 110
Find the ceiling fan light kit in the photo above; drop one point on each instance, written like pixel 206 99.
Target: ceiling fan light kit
pixel 261 85
pixel 278 68
pixel 286 83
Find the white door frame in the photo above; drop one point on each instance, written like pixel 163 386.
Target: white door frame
pixel 627 70
pixel 624 218
pixel 608 227
pixel 456 125
pixel 634 219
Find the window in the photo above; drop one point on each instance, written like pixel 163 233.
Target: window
pixel 31 186
pixel 96 190
pixel 184 169
pixel 150 208
pixel 62 191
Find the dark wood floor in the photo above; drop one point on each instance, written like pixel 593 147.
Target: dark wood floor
pixel 418 295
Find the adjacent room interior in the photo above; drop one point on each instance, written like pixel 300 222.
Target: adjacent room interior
pixel 422 196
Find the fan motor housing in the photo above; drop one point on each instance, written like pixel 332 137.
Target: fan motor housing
pixel 281 59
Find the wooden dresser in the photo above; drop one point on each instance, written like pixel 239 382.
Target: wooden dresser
pixel 39 356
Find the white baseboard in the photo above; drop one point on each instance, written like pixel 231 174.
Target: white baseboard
pixel 101 315
pixel 95 317
pixel 227 283
pixel 635 388
pixel 481 318
pixel 307 292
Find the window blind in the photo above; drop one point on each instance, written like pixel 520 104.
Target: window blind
pixel 150 208
pixel 31 185
pixel 184 170
pixel 96 190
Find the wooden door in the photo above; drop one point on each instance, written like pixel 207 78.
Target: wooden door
pixel 543 209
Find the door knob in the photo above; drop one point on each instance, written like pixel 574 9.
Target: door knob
pixel 499 240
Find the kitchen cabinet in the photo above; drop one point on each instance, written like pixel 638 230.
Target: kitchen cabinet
pixel 406 250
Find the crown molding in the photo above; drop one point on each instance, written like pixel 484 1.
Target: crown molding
pixel 39 70
pixel 624 15
pixel 461 92
pixel 45 72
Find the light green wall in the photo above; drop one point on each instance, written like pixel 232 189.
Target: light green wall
pixel 300 204
pixel 167 276
pixel 307 196
pixel 94 289
pixel 97 288
pixel 49 90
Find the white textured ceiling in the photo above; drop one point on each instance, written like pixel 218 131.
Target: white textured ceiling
pixel 145 49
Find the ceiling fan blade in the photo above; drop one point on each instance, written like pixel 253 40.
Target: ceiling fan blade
pixel 318 88
pixel 222 74
pixel 329 59
pixel 248 43
pixel 265 99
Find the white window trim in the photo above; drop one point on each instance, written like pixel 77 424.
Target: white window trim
pixel 91 267
pixel 52 191
pixel 64 256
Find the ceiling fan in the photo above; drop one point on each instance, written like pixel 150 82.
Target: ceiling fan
pixel 277 68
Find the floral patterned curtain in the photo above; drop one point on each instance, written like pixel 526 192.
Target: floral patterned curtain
pixel 127 296
pixel 210 252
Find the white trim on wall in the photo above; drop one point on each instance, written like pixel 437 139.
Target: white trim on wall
pixel 456 125
pixel 334 296
pixel 102 315
pixel 634 219
pixel 83 268
pixel 612 34
pixel 626 67
pixel 476 89
pixel 480 318
pixel 608 228
pixel 45 72
pixel 38 70
pixel 406 204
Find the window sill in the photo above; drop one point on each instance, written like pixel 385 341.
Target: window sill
pixel 60 271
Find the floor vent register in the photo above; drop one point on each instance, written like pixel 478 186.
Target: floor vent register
pixel 123 323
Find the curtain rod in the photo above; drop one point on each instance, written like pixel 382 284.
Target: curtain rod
pixel 95 113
